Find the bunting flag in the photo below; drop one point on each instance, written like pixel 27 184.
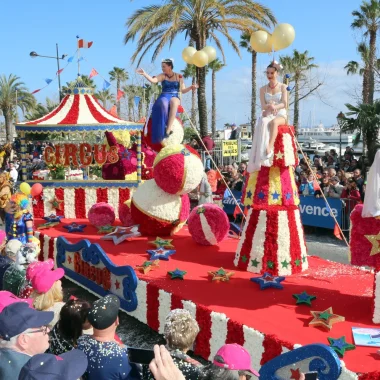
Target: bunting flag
pixel 113 111
pixel 84 44
pixel 337 232
pixel 70 59
pixel 93 73
pixel 59 71
pixel 137 101
pixel 120 94
pixel 48 81
pixel 36 91
pixel 106 84
pixel 80 59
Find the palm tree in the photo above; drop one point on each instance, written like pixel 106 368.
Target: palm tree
pixel 245 43
pixel 199 20
pixel 83 80
pixel 368 18
pixel 105 96
pixel 120 76
pixel 297 65
pixel 13 95
pixel 215 66
pixel 190 71
pixel 42 109
pixel 364 118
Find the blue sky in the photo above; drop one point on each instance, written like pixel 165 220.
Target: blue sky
pixel 322 27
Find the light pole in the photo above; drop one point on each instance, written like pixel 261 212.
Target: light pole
pixel 340 119
pixel 33 54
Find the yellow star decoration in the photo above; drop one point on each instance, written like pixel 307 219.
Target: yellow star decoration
pixel 47 225
pixel 279 155
pixel 220 275
pixel 162 243
pixel 325 318
pixel 375 241
pixel 56 203
pixel 147 266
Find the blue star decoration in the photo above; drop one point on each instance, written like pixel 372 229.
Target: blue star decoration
pixel 261 195
pixel 288 196
pixel 122 233
pixel 275 195
pixel 75 227
pixel 340 345
pixel 126 154
pixel 52 218
pixel 185 152
pixel 249 194
pixel 304 298
pixel 160 253
pixel 268 281
pixel 177 274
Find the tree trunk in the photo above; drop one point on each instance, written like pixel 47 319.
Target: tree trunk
pixel 130 112
pixel 372 57
pixel 8 126
pixel 296 105
pixel 194 104
pixel 253 95
pixel 117 93
pixel 213 104
pixel 202 103
pixel 366 85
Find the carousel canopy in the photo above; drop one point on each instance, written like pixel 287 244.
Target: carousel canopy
pixel 79 111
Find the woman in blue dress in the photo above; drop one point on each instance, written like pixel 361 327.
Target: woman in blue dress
pixel 165 107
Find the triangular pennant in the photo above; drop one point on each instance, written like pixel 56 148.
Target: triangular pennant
pixel 48 81
pixel 59 71
pixel 36 91
pixel 106 84
pixel 119 94
pixel 70 59
pixel 93 73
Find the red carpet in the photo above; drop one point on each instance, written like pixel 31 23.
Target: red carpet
pixel 346 289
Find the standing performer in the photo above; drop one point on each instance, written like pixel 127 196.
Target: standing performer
pixel 165 108
pixel 273 98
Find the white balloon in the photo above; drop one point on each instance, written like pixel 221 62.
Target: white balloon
pixel 211 53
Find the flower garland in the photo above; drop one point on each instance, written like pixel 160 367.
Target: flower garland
pixel 376 297
pixel 153 306
pixel 164 308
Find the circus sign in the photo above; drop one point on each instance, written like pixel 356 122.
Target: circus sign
pixel 80 155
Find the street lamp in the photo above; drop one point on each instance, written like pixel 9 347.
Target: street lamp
pixel 340 119
pixel 33 54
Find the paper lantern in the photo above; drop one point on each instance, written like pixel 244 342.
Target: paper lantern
pixel 208 224
pixel 157 212
pixel 200 58
pixel 25 188
pixel 176 170
pixel 283 36
pixel 125 214
pixel 261 41
pixel 188 53
pixel 211 53
pixel 101 214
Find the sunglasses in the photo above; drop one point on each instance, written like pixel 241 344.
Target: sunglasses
pixel 44 329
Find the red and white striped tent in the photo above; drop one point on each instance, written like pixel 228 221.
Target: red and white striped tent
pixel 78 111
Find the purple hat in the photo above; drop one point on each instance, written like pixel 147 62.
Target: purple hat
pixel 235 357
pixel 68 366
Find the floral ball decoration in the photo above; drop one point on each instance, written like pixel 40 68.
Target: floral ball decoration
pixel 177 170
pixel 208 224
pixel 101 214
pixel 125 214
pixel 157 212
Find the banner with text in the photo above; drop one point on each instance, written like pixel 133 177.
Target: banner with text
pixel 230 148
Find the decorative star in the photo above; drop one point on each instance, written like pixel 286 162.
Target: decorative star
pixel 56 203
pixel 325 318
pixel 249 194
pixel 296 374
pixel 162 243
pixel 254 263
pixel 220 275
pixel 75 227
pixel 126 154
pixel 178 273
pixel 117 284
pixel 201 210
pixel 261 195
pixel 275 195
pixel 69 259
pixel 304 298
pixel 304 259
pixel 107 229
pixel 279 155
pixel 285 264
pixel 35 202
pixel 147 266
pixel 297 262
pixel 375 241
pixel 270 264
pixel 268 281
pixel 185 152
pixel 244 259
pixel 52 218
pixel 160 253
pixel 288 195
pixel 43 197
pixel 122 233
pixel 44 226
pixel 340 345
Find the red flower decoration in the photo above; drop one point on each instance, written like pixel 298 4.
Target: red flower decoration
pixel 180 109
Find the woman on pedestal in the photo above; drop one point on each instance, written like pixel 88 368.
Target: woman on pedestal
pixel 165 107
pixel 274 99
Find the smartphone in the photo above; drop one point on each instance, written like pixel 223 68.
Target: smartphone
pixel 140 356
pixel 311 376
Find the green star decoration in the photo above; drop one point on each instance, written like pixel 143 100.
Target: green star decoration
pixel 105 229
pixel 297 262
pixel 270 264
pixel 325 315
pixel 304 298
pixel 285 264
pixel 201 210
pixel 304 259
pixel 254 263
pixel 178 273
pixel 340 345
pixel 244 259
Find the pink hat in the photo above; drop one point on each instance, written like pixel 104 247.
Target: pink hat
pixel 235 357
pixel 42 275
pixel 7 298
